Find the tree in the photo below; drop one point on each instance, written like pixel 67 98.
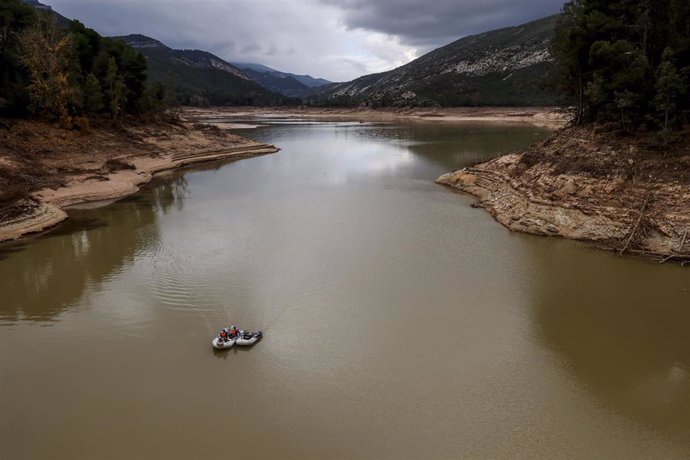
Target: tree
pixel 116 90
pixel 58 71
pixel 87 44
pixel 47 54
pixel 154 100
pixel 571 52
pixel 15 17
pixel 611 61
pixel 670 86
pixel 133 69
pixel 625 100
pixel 92 95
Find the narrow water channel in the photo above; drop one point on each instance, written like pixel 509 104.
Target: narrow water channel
pixel 399 322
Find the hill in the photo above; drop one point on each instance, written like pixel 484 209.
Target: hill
pixel 200 78
pixel 502 67
pixel 306 80
pixel 287 86
pixel 63 21
pixel 38 5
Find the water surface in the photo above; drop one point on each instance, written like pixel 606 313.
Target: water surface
pixel 399 322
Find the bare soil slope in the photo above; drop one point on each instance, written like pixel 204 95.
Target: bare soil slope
pixel 44 168
pixel 625 193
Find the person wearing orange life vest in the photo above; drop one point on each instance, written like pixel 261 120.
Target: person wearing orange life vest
pixel 233 332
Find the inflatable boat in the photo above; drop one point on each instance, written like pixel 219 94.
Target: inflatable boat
pixel 247 339
pixel 222 344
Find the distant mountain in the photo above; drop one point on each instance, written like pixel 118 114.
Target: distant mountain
pixel 501 67
pixel 287 86
pixel 306 80
pixel 199 77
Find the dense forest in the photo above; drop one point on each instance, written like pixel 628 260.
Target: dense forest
pixel 625 61
pixel 67 72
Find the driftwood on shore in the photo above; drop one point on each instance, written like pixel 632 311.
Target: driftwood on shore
pixel 633 231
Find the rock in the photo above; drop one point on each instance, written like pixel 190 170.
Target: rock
pixel 569 188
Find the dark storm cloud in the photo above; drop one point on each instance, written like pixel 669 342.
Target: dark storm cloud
pixel 335 39
pixel 435 22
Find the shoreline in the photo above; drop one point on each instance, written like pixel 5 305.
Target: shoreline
pixel 115 176
pixel 591 187
pixel 77 169
pixel 539 116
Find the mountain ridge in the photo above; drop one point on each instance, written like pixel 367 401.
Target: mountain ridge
pixel 62 20
pixel 287 86
pixel 200 78
pixel 499 67
pixel 306 80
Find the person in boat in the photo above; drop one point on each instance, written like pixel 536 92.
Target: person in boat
pixel 224 334
pixel 233 332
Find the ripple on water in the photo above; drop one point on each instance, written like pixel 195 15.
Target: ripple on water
pixel 181 283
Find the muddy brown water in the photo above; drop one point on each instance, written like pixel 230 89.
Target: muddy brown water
pixel 399 322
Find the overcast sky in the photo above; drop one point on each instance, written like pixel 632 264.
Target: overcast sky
pixel 335 39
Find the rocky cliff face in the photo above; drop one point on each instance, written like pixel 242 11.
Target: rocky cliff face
pixel 502 67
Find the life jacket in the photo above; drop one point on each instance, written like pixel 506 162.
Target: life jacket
pixel 223 334
pixel 233 333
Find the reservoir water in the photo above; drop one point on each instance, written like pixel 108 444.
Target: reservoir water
pixel 399 321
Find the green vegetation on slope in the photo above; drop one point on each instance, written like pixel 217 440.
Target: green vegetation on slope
pixel 62 73
pixel 626 61
pixel 201 78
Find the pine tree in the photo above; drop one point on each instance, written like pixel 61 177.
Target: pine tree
pixel 612 62
pixel 92 95
pixel 116 90
pixel 669 87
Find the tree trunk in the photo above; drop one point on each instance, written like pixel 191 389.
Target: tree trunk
pixel 580 102
pixel 666 118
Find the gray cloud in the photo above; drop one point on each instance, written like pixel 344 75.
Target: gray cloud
pixel 334 39
pixel 433 23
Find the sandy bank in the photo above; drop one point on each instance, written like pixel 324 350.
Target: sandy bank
pixel 49 168
pixel 624 194
pixel 540 116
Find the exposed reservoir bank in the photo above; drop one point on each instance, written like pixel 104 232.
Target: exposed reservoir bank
pixel 47 168
pixel 399 321
pixel 625 193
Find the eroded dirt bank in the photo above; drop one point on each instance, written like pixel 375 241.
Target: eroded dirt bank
pixel 44 168
pixel 626 194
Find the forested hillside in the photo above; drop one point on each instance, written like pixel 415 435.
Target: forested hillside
pixel 201 78
pixel 626 61
pixel 64 73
